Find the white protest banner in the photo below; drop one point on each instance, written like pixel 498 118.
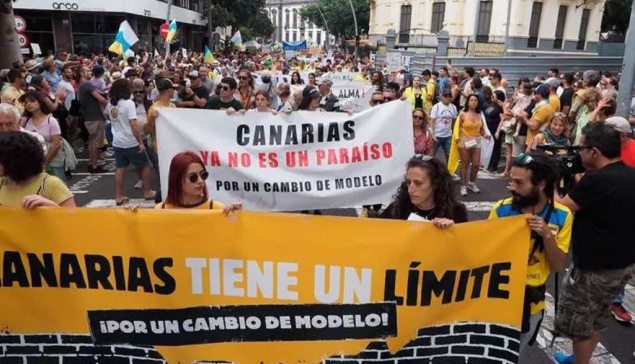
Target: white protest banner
pixel 342 76
pixel 301 161
pixel 353 95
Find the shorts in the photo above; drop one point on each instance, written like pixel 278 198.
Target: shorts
pixel 509 138
pixel 96 132
pixel 585 300
pixel 470 143
pixel 127 156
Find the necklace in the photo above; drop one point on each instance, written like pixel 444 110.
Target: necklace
pixel 426 216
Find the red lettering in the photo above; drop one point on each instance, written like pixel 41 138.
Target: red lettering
pixel 245 160
pixel 386 148
pixel 344 156
pixel 303 158
pixel 267 160
pixel 204 155
pixel 273 160
pixel 215 159
pixel 320 154
pixel 374 151
pixel 332 157
pixel 357 156
pixel 262 160
pixel 232 159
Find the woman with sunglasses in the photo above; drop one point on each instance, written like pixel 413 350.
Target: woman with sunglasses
pixel 246 86
pixel 424 144
pixel 186 186
pixel 427 192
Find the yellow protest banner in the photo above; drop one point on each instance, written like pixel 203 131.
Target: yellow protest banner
pixel 116 286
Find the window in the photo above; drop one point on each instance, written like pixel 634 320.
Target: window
pixel 286 19
pixel 484 22
pixel 302 23
pixel 286 36
pixel 438 15
pixel 274 17
pixel 295 18
pixel 584 26
pixel 534 25
pixel 311 35
pixel 295 36
pixel 319 38
pixel 404 24
pixel 562 20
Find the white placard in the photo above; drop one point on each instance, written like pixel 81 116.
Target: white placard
pixel 393 62
pixel 301 161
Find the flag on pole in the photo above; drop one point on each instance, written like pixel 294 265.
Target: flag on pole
pixel 171 31
pixel 124 40
pixel 237 39
pixel 209 57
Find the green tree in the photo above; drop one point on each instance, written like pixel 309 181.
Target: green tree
pixel 338 15
pixel 261 24
pixel 9 45
pixel 616 16
pixel 246 34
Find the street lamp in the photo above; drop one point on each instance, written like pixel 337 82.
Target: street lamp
pixel 350 2
pixel 328 33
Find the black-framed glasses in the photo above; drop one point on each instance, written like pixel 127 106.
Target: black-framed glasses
pixel 193 177
pixel 424 157
pixel 524 159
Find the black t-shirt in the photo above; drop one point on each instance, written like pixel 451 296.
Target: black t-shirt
pixel 91 108
pixel 215 103
pixel 492 113
pixel 602 236
pixel 566 97
pixel 523 127
pixel 202 92
pixel 459 212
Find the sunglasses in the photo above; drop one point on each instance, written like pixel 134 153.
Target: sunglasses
pixel 524 159
pixel 224 88
pixel 424 157
pixel 139 92
pixel 417 117
pixel 378 101
pixel 193 177
pixel 242 78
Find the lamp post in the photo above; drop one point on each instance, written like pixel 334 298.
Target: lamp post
pixel 167 20
pixel 280 21
pixel 326 25
pixel 350 2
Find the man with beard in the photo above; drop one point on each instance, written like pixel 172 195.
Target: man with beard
pixel 533 180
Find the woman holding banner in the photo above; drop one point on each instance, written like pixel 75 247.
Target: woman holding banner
pixel 262 102
pixel 426 194
pixel 187 188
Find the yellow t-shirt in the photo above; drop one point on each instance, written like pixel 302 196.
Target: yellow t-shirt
pixel 360 77
pixel 554 101
pixel 431 90
pixel 560 223
pixel 150 128
pixel 207 205
pixel 44 185
pixel 542 115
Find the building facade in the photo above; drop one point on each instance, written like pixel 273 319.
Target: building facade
pixel 85 26
pixel 290 27
pixel 542 26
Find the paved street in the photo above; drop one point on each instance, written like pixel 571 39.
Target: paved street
pixel 617 346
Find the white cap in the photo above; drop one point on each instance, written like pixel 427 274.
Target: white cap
pixel 619 124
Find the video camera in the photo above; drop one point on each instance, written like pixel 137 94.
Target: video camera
pixel 569 164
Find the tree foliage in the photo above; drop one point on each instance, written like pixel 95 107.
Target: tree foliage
pixel 247 15
pixel 616 16
pixel 338 15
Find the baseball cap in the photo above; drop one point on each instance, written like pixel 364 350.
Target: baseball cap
pixel 542 90
pixel 619 123
pixel 164 84
pixel 98 70
pixel 552 82
pixel 446 93
pixel 193 74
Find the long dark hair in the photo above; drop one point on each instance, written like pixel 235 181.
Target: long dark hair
pixel 300 80
pixel 466 107
pixel 444 197
pixel 36 96
pixel 120 90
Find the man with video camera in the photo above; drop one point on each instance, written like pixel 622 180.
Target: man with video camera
pixel 532 186
pixel 601 243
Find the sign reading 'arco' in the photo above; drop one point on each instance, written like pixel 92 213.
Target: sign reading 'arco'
pixel 65 6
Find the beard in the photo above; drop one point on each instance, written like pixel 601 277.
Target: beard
pixel 520 202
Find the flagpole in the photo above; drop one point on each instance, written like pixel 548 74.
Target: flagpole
pixel 167 21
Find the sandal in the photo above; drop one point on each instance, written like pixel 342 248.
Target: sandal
pixel 123 201
pixel 150 197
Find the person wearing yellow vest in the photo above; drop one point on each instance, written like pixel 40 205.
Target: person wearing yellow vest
pixel 416 94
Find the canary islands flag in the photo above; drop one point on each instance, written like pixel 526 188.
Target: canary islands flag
pixel 124 40
pixel 237 39
pixel 171 31
pixel 209 57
